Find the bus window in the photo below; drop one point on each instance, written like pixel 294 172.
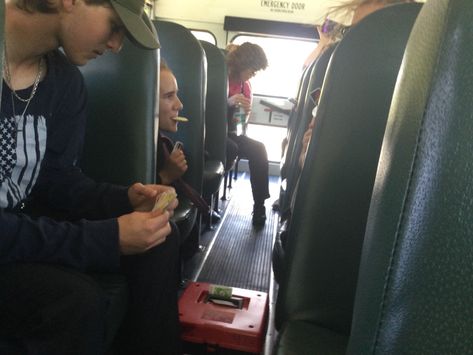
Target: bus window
pixel 204 36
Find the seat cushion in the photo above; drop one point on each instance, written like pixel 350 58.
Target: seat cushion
pixel 184 216
pixel 300 338
pixel 213 175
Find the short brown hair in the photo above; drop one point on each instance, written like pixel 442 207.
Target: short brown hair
pixel 247 56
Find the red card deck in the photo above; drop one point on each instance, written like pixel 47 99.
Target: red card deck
pixel 238 323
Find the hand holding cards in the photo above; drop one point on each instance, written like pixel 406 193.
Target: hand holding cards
pixel 178 146
pixel 163 200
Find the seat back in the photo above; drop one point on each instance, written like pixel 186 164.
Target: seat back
pixel 316 79
pixel 120 145
pixel 216 103
pixel 120 138
pixel 294 147
pixel 328 221
pixel 294 116
pixel 186 58
pixel 415 285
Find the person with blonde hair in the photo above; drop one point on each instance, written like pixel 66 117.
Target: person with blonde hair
pixel 329 33
pixel 358 9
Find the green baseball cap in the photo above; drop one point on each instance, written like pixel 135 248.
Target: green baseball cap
pixel 136 21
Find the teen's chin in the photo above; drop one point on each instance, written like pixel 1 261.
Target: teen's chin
pixel 80 60
pixel 169 127
pixel 173 128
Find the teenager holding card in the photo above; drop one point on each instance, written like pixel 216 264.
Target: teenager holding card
pixel 49 303
pixel 171 163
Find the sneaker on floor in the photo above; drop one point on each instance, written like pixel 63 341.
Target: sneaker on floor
pixel 259 215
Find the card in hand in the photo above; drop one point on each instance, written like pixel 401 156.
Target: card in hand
pixel 163 200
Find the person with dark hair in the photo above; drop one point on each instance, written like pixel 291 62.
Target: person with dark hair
pixel 59 227
pixel 243 62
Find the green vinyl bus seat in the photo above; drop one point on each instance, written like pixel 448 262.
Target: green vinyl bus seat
pixel 120 145
pixel 294 116
pixel 120 137
pixel 215 124
pixel 326 231
pixel 300 122
pixel 291 164
pixel 415 283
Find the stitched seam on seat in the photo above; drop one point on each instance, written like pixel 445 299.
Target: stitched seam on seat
pixel 396 240
pixel 402 216
pixel 395 244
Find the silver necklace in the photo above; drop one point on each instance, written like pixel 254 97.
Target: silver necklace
pixel 13 93
pixel 18 120
pixel 7 76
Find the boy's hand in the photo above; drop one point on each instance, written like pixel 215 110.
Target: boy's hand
pixel 143 197
pixel 141 231
pixel 174 168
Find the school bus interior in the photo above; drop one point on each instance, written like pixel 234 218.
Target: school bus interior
pixel 372 243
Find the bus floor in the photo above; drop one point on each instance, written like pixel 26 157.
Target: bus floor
pixel 236 254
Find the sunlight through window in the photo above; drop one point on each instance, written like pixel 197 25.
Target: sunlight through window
pixel 285 59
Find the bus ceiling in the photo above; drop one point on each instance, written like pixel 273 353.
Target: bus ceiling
pixel 269 17
pixel 269 27
pixel 298 11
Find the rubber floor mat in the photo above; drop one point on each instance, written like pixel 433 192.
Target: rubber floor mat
pixel 240 255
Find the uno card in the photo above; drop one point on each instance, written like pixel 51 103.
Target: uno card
pixel 163 200
pixel 181 119
pixel 178 146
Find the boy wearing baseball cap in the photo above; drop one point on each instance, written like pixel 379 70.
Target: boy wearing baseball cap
pixel 49 303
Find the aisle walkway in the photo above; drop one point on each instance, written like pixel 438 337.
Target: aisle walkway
pixel 235 253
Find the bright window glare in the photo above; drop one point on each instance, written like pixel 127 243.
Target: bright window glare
pixel 285 60
pixel 204 36
pixel 271 137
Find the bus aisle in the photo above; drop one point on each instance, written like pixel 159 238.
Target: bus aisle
pixel 236 254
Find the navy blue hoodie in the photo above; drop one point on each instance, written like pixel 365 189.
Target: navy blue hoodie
pixel 39 167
